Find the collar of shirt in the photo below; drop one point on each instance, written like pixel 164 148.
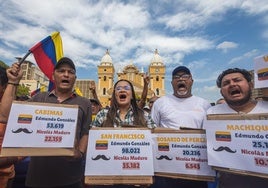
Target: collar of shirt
pixel 129 118
pixel 74 94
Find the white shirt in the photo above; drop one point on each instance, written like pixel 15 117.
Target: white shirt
pixel 172 112
pixel 229 180
pixel 261 107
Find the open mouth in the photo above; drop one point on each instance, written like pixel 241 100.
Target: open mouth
pixel 182 89
pixel 65 81
pixel 181 86
pixel 235 92
pixel 122 96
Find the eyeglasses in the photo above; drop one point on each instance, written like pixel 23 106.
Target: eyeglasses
pixel 119 88
pixel 183 77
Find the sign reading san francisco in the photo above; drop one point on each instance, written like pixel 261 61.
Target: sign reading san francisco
pixel 119 152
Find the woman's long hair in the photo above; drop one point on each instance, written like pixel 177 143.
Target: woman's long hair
pixel 139 120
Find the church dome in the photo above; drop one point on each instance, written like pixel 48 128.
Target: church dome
pixel 106 59
pixel 157 59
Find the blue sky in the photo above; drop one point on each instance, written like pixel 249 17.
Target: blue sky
pixel 206 36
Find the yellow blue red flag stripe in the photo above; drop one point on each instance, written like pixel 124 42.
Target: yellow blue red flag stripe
pixel 47 53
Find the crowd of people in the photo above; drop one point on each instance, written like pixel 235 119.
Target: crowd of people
pixel 179 110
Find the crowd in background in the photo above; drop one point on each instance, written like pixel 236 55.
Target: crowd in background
pixel 181 109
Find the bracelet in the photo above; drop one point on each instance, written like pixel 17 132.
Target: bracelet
pixel 14 84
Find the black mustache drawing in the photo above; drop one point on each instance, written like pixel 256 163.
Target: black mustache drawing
pixel 164 157
pixel 98 157
pixel 22 130
pixel 221 148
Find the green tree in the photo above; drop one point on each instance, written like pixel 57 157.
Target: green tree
pixel 23 90
pixel 2 64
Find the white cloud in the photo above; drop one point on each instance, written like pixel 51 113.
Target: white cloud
pixel 194 14
pixel 244 57
pixel 255 6
pixel 132 30
pixel 226 45
pixel 210 93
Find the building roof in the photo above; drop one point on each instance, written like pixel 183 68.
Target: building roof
pixel 106 59
pixel 157 59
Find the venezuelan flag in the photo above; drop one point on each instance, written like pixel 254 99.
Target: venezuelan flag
pixel 163 146
pixel 47 53
pixel 223 136
pixel 101 145
pixel 25 118
pixel 35 92
pixel 38 90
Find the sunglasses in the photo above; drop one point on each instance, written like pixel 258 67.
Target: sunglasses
pixel 183 77
pixel 119 88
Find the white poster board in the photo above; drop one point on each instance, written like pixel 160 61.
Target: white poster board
pixel 261 71
pixel 182 152
pixel 238 145
pixel 39 125
pixel 119 152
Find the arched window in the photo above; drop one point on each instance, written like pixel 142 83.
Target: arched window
pixel 157 78
pixel 104 91
pixel 157 91
pixel 104 78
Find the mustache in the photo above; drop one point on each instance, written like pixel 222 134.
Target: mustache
pixel 22 130
pixel 164 157
pixel 222 148
pixel 98 157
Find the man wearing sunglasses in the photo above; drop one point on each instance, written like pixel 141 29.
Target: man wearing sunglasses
pixel 180 110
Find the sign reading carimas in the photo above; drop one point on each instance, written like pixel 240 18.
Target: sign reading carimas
pixel 181 152
pixel 119 152
pixel 238 144
pixel 41 125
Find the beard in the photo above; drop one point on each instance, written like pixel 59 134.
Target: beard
pixel 239 102
pixel 182 93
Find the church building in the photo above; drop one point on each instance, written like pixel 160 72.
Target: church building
pixel 106 80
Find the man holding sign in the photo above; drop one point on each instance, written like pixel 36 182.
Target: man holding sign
pixel 236 86
pixel 177 111
pixel 9 80
pixel 63 171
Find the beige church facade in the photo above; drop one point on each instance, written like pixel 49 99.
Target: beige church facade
pixel 106 78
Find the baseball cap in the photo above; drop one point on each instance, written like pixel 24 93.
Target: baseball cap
pixel 181 69
pixel 65 60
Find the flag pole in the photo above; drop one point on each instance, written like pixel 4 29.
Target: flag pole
pixel 21 60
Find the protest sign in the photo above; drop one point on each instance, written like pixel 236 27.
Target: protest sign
pixel 40 129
